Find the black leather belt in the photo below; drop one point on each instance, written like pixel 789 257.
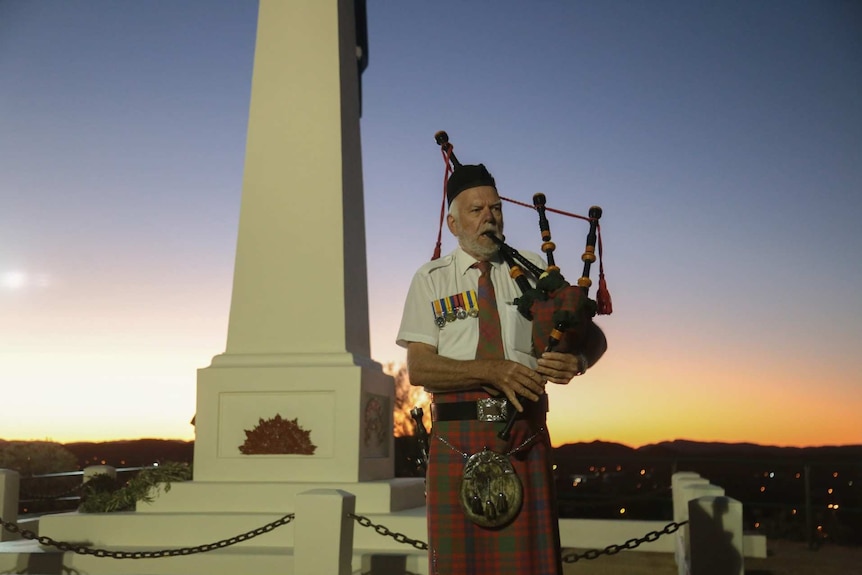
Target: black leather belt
pixel 487 409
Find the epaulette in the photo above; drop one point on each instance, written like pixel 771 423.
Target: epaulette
pixel 441 262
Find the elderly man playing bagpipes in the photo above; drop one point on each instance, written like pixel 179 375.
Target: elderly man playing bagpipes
pixel 485 338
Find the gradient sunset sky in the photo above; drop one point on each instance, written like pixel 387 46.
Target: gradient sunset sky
pixel 722 139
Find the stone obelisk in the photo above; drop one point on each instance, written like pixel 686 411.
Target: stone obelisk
pixel 295 396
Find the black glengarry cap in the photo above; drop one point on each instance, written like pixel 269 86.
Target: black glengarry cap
pixel 468 176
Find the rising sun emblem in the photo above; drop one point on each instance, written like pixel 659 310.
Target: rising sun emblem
pixel 277 436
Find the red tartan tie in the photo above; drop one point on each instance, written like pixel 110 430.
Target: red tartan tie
pixel 490 339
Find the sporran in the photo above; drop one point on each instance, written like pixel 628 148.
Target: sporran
pixel 491 493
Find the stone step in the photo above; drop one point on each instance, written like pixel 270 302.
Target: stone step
pixel 268 497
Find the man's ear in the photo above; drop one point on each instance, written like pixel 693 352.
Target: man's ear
pixel 450 223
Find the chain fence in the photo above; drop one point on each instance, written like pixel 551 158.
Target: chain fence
pixel 671 527
pixel 363 521
pixel 175 552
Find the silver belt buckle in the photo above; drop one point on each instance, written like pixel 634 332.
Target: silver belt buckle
pixel 491 409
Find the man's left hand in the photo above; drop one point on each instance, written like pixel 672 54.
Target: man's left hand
pixel 561 368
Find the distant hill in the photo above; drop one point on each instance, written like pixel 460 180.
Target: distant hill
pixel 685 448
pixel 145 452
pixel 593 449
pixel 682 448
pixel 133 452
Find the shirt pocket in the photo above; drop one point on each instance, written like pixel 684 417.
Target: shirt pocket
pixel 458 339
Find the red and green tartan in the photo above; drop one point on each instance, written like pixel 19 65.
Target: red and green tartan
pixel 530 545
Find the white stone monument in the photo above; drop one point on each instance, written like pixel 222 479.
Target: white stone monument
pixel 297 360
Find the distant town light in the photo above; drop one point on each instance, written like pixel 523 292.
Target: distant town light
pixel 793 512
pixel 829 491
pixel 622 510
pixel 643 471
pixel 798 475
pixel 762 488
pixel 772 475
pixel 757 524
pixel 835 506
pixel 835 474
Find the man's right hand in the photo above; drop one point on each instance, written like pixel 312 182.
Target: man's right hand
pixel 516 381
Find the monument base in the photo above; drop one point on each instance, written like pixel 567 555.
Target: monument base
pixel 314 418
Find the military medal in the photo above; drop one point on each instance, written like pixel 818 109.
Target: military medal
pixel 450 310
pixel 460 312
pixel 439 314
pixel 472 307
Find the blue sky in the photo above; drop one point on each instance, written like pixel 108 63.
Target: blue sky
pixel 722 140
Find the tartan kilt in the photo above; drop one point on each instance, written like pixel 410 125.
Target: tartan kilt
pixel 530 545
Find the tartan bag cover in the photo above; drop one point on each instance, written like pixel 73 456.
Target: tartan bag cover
pixel 571 301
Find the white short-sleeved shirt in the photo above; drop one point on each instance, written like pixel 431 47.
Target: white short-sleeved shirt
pixel 450 275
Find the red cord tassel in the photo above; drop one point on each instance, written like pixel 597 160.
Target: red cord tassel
pixel 446 175
pixel 603 297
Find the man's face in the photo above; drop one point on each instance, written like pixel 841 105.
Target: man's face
pixel 474 212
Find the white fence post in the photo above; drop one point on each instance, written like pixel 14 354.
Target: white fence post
pixel 323 537
pixel 9 493
pixel 680 507
pixel 686 488
pixel 678 482
pixel 715 536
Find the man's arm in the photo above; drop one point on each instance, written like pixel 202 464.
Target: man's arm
pixel 431 370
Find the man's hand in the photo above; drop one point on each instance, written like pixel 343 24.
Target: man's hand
pixel 514 379
pixel 561 368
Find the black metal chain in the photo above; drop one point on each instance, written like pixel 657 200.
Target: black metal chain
pixel 382 530
pixel 671 527
pixel 84 550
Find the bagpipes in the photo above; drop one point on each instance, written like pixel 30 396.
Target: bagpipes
pixel 560 312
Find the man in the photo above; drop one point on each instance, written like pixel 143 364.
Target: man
pixel 491 502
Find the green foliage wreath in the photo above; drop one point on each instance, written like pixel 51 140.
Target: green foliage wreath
pixel 103 493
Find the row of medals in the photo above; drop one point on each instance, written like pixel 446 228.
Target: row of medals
pixel 454 311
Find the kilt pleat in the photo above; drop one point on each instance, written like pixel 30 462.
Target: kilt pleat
pixel 530 544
